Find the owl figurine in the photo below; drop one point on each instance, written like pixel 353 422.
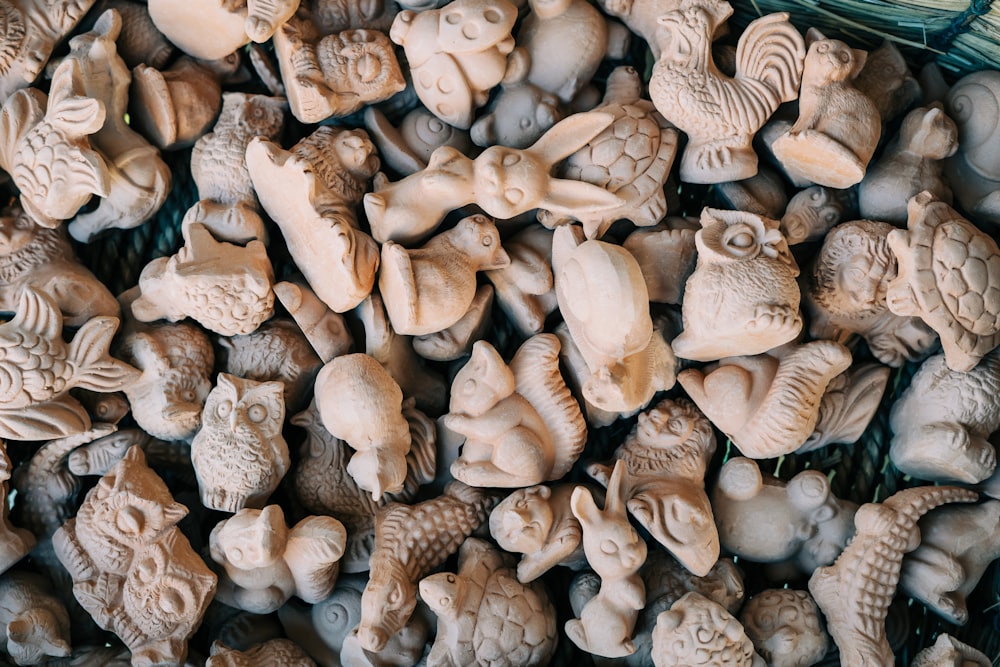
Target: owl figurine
pixel 239 455
pixel 742 298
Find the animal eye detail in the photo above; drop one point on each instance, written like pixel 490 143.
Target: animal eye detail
pixel 224 408
pixel 510 159
pixel 525 123
pixel 488 241
pixel 513 195
pixel 257 413
pixel 609 547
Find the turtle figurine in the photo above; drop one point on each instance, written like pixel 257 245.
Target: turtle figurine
pixel 631 158
pixel 949 276
pixel 485 615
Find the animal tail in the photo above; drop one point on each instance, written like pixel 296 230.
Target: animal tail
pixel 772 52
pixel 537 378
pixel 911 504
pixel 93 366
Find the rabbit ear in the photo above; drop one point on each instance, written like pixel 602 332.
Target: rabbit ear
pixel 570 198
pixel 615 503
pixel 583 506
pixel 570 135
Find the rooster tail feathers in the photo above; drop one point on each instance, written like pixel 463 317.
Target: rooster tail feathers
pixel 772 51
pixel 93 366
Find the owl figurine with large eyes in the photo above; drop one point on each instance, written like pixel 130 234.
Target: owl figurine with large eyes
pixel 742 298
pixel 239 455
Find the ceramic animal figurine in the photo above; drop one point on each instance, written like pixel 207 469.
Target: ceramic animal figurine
pixel 767 521
pixel 838 127
pixel 485 615
pixel 814 211
pixel 504 182
pixel 886 80
pixel 40 369
pixel 538 523
pixel 360 403
pixel 848 406
pixel 17 542
pixel 641 18
pixel 325 330
pixel 211 29
pixel 272 652
pixel 616 552
pixel 323 485
pixel 742 297
pixel 667 255
pixel 631 158
pixel 410 542
pixel 334 74
pixel 264 562
pixel 957 544
pixel 35 623
pixel 312 192
pixel 456 54
pixel 762 194
pixel 949 273
pixel 720 114
pixel 521 424
pixel 525 288
pixel 140 42
pixel 407 148
pixel 132 568
pixel 430 288
pixel 974 171
pixel 910 165
pixel 139 180
pixel 845 293
pixel 665 457
pixel 35 256
pixel 949 652
pixel 336 15
pixel 239 453
pixel 854 593
pixel 942 422
pixel 226 288
pixel 785 628
pixel 278 350
pixel 457 340
pixel 696 631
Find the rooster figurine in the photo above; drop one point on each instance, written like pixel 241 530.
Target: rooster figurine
pixel 721 114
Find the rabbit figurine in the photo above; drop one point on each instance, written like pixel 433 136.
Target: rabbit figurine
pixel 616 552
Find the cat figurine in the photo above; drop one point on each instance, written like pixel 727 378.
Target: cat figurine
pixel 34 621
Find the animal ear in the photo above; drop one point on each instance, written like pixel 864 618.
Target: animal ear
pixel 109 24
pixel 518 66
pixel 483 131
pixel 860 58
pixel 174 512
pixel 225 381
pixel 567 197
pixel 813 35
pixel 740 479
pixel 570 135
pixel 615 501
pixel 582 504
pixel 808 490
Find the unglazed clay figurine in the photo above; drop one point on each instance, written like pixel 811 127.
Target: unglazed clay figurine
pixel 762 194
pixel 667 255
pixel 264 562
pixel 537 522
pixel 767 405
pixel 456 54
pixel 485 615
pixel 410 542
pixel 697 632
pixel 17 542
pixel 224 287
pixel 34 622
pixel 957 544
pixel 139 180
pixel 212 29
pixel 132 568
pixel 334 74
pixel 39 369
pixel 742 297
pixel 360 403
pixel 430 288
pixel 239 454
pixel 525 288
pixel 665 458
pixel 765 520
pixel 848 406
pixel 616 552
pixel 886 80
pixel 283 652
pixel 720 114
pixel 521 424
pixel 457 340
pixel 909 165
pixel 504 182
pixel 838 127
pixel 784 626
pixel 974 171
pixel 325 330
pixel 812 212
pixel 942 422
pixel 949 276
pixel 312 192
pixel 949 652
pixel 407 148
pixel 631 158
pixel 854 593
pixel 336 15
pixel 845 293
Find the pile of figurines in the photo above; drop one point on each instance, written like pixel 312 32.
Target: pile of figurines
pixel 475 206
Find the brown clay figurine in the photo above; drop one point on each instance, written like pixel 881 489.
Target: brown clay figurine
pixel 812 212
pixel 785 627
pixel 16 542
pixel 33 621
pixel 974 171
pixel 457 340
pixel 697 632
pixel 949 652
pixel 887 81
pixel 239 453
pixel 838 127
pixel 325 330
pixel 212 29
pixel 407 148
pixel 721 114
pixel 282 652
pixel 525 288
pixel 667 255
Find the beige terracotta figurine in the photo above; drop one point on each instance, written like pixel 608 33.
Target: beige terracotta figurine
pixel 264 562
pixel 838 127
pixel 742 297
pixel 854 593
pixel 814 211
pixel 887 81
pixel 212 29
pixel 34 622
pixel 431 288
pixel 282 652
pixel 949 276
pixel 239 453
pixel 949 652
pixel 667 255
pixel 974 171
pixel 132 568
pixel 457 340
pixel 16 542
pixel 721 114
pixel 525 288
pixel 785 627
pixel 485 615
pixel 665 457
pixel 407 148
pixel 698 632
pixel 456 54
pixel 521 424
pixel 325 330
pixel 849 404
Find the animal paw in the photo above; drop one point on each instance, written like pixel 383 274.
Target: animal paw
pixel 769 317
